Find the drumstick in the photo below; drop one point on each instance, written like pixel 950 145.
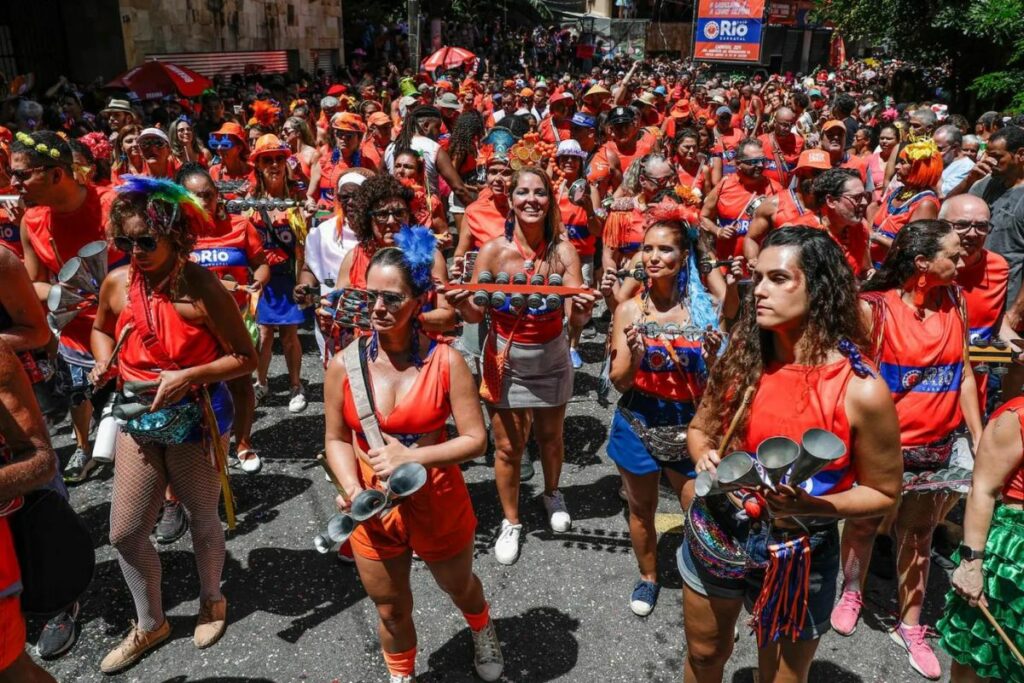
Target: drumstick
pixel 1002 634
pixel 220 455
pixel 117 347
pixel 322 459
pixel 740 410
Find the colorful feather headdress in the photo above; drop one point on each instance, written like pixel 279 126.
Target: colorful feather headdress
pixel 264 113
pixel 165 201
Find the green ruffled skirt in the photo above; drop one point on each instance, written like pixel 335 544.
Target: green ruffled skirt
pixel 966 634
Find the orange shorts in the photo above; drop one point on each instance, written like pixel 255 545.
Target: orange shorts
pixel 437 522
pixel 12 631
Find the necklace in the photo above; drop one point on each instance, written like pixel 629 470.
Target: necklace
pixel 529 261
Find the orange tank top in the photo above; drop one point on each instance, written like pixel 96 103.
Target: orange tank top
pixel 1013 489
pixel 790 399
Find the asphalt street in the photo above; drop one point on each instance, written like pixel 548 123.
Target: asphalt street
pixel 561 612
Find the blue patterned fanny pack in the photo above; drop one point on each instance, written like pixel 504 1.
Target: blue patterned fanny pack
pixel 167 426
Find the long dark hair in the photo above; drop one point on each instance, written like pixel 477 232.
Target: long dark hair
pixel 468 130
pixel 833 317
pixel 919 238
pixel 371 194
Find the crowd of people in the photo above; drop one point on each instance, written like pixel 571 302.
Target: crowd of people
pixel 769 256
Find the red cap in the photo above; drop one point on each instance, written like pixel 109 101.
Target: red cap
pixel 336 90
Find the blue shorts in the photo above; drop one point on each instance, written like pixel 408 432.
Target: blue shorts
pixel 824 572
pixel 627 450
pixel 277 305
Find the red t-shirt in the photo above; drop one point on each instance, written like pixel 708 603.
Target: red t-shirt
pixel 69 233
pixel 230 249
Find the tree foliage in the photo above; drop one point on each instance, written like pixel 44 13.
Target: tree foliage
pixel 981 40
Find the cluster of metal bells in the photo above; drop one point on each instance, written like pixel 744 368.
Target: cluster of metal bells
pixel 779 459
pixel 350 308
pixel 78 285
pixel 261 204
pixel 517 300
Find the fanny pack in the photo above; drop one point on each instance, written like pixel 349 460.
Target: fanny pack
pixel 666 443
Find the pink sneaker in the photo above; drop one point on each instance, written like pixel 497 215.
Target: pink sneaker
pixel 846 612
pixel 921 656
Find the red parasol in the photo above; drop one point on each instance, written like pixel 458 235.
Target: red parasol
pixel 154 80
pixel 448 58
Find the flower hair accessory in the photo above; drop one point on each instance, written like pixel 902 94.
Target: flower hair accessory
pixel 418 246
pixel 530 151
pixel 29 141
pixel 924 148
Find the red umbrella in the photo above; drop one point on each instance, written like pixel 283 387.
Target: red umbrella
pixel 448 58
pixel 154 80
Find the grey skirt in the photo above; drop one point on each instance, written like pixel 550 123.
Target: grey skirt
pixel 537 375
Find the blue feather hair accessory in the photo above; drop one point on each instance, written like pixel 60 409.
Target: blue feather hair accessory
pixel 418 246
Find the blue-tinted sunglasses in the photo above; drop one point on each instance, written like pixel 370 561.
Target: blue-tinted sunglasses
pixel 220 143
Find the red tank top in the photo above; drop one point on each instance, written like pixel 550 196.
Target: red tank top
pixel 10 230
pixel 733 200
pixel 534 328
pixel 230 250
pixel 890 218
pixel 187 344
pixel 790 399
pixel 789 150
pixel 10 571
pixel 659 375
pixel 791 211
pixel 984 289
pixel 574 218
pixel 360 262
pixel 1013 489
pixel 696 181
pixel 422 411
pixel 922 361
pixel 246 181
pixel 484 219
pixel 70 232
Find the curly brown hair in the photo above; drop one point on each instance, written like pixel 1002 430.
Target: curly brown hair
pixel 370 195
pixel 164 219
pixel 833 315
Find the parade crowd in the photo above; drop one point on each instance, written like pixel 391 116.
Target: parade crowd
pixel 811 291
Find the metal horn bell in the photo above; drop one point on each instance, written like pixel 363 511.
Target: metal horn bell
pixel 94 260
pixel 776 454
pixel 737 471
pixel 58 321
pixel 63 298
pixel 367 504
pixel 75 275
pixel 819 448
pixel 706 485
pixel 406 480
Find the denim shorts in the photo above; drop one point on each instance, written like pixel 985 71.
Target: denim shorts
pixel 824 572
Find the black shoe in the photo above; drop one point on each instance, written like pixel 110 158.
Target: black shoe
pixel 526 469
pixel 173 523
pixel 58 635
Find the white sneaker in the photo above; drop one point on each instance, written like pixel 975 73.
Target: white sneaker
pixel 558 516
pixel 261 391
pixel 402 679
pixel 487 657
pixel 298 400
pixel 506 548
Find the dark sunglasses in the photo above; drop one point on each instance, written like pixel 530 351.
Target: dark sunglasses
pixel 271 159
pixel 23 174
pixel 151 142
pixel 392 300
pixel 145 243
pixel 221 143
pixel 753 161
pixel 385 214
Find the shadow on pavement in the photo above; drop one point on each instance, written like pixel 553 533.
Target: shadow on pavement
pixel 584 435
pixel 257 498
pixel 820 671
pixel 538 646
pixel 302 438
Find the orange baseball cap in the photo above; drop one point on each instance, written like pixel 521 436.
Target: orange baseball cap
pixel 348 121
pixel 814 159
pixel 379 118
pixel 834 124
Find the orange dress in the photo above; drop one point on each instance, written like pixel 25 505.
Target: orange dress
pixel 437 521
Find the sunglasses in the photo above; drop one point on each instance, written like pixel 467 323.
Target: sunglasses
pixel 663 180
pixel 386 214
pixel 754 161
pixel 271 159
pixel 862 198
pixel 145 243
pixel 151 142
pixel 23 174
pixel 221 143
pixel 392 300
pixel 964 227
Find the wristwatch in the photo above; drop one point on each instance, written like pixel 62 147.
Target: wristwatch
pixel 969 554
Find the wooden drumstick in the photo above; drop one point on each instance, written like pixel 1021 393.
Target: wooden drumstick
pixel 1002 634
pixel 322 459
pixel 741 409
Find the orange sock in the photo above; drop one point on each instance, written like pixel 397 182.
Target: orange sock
pixel 401 663
pixel 477 622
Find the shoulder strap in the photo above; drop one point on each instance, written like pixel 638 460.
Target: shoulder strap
pixel 142 314
pixel 780 161
pixel 354 357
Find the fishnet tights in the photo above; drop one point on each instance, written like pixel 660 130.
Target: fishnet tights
pixel 141 474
